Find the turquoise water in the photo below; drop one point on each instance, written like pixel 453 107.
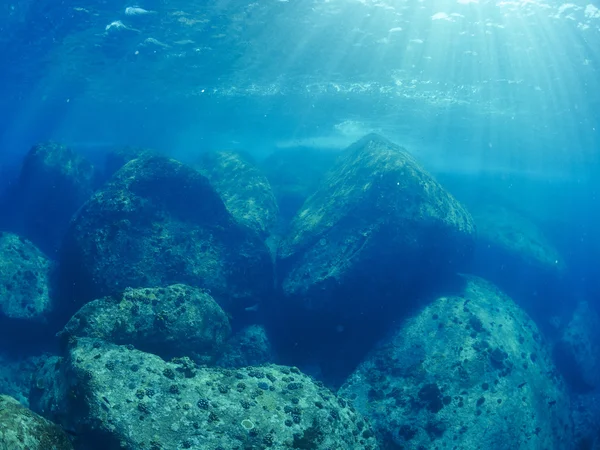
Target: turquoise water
pixel 498 101
pixel 474 89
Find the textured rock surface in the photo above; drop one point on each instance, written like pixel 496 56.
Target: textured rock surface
pixel 21 429
pixel 376 223
pixel 248 347
pixel 469 371
pixel 174 321
pixel 245 191
pixel 159 222
pixel 53 183
pixel 578 351
pixel 295 174
pixel 126 399
pixel 24 280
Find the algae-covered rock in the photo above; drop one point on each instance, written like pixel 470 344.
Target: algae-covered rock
pixel 245 191
pixel 248 347
pixel 174 321
pixel 21 429
pixel 577 352
pixel 24 280
pixel 156 223
pixel 295 174
pixel 468 371
pixel 54 182
pixel 127 399
pixel 377 223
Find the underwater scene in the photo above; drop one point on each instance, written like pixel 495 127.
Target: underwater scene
pixel 299 224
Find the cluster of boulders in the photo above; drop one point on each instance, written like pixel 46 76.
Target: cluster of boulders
pixel 184 296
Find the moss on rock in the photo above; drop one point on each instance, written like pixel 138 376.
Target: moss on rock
pixel 295 174
pixel 245 191
pixel 376 223
pixel 159 222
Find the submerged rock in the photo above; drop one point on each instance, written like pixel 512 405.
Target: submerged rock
pixel 21 429
pixel 245 191
pixel 515 254
pixel 15 376
pixel 25 274
pixel 248 347
pixel 378 224
pixel 577 353
pixel 586 420
pixel 117 158
pixel 517 235
pixel 49 389
pixel 54 182
pixel 126 399
pixel 156 223
pixel 468 371
pixel 295 174
pixel 174 321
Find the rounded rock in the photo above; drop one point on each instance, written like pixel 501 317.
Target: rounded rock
pixel 159 222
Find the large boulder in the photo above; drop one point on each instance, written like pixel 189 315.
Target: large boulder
pixel 378 224
pixel 586 420
pixel 118 398
pixel 577 352
pixel 470 370
pixel 54 182
pixel 118 157
pixel 514 253
pixel 156 223
pixel 250 346
pixel 517 235
pixel 174 321
pixel 15 376
pixel 25 278
pixel 245 191
pixel 295 174
pixel 21 429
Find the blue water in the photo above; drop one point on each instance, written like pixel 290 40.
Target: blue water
pixel 498 100
pixel 508 90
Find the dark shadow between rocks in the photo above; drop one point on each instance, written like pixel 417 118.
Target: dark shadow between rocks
pixel 337 344
pixel 540 292
pixel 21 338
pixel 570 369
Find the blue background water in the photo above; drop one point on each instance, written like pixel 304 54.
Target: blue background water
pixel 500 100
